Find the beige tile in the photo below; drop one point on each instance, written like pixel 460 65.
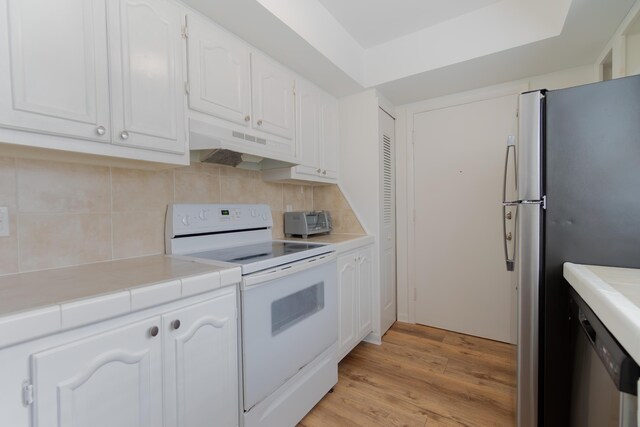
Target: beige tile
pixel 62 187
pixel 135 190
pixel 9 246
pixel 138 234
pixel 270 194
pixel 328 197
pixel 295 195
pixel 238 185
pixel 348 223
pixel 193 186
pixel 58 240
pixel 7 182
pixel 278 224
pixel 308 198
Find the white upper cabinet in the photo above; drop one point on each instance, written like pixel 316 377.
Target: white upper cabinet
pixel 317 136
pixel 329 136
pixel 147 82
pixel 219 73
pixel 272 97
pixel 53 67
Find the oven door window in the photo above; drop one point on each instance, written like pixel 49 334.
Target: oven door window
pixel 294 308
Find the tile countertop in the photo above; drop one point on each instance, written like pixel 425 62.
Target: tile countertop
pixel 614 296
pixel 342 242
pixel 42 302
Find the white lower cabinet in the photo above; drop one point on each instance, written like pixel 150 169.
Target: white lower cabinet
pixel 111 379
pixel 198 392
pixel 354 298
pixel 173 365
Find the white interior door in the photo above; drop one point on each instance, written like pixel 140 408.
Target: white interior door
pixel 459 269
pixel 388 232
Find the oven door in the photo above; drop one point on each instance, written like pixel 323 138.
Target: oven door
pixel 289 317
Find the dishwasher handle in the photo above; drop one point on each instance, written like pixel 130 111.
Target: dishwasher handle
pixel 586 327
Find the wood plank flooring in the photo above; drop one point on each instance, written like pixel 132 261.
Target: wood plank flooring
pixel 422 376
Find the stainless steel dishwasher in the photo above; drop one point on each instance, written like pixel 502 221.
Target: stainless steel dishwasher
pixel 604 376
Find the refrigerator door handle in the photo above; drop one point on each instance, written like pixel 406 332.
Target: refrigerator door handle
pixel 511 144
pixel 509 236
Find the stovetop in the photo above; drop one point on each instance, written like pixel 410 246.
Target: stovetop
pixel 256 252
pixel 259 256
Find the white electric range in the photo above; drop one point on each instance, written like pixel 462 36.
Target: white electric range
pixel 289 314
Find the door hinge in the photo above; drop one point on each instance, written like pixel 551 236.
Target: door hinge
pixel 187 88
pixel 185 32
pixel 27 393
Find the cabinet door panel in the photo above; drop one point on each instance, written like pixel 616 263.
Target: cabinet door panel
pixel 329 137
pixel 365 303
pixel 272 97
pixel 201 364
pixel 147 74
pixel 53 67
pixel 112 379
pixel 347 278
pixel 219 77
pixel 308 129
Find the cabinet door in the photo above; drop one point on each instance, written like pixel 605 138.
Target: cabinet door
pixel 148 88
pixel 111 379
pixel 365 302
pixel 53 67
pixel 329 137
pixel 347 285
pixel 219 73
pixel 201 371
pixel 272 97
pixel 308 128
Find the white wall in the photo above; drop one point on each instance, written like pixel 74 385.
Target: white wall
pixel 404 161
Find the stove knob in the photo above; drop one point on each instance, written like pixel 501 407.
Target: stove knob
pixel 253 213
pixel 203 214
pixel 264 216
pixel 185 220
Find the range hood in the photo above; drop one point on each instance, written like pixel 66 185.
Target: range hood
pixel 238 148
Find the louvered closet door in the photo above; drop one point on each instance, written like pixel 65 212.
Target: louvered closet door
pixel 388 227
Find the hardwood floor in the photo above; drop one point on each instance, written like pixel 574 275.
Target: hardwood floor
pixel 422 376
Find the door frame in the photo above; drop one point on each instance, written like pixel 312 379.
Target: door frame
pixel 405 200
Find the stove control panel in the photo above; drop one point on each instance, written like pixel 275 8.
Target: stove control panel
pixel 189 219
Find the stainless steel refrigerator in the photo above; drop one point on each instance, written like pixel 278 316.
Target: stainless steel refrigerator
pixel 571 193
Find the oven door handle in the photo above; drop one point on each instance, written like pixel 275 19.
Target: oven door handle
pixel 272 274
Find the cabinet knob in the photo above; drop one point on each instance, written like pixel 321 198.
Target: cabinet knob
pixel 101 130
pixel 124 134
pixel 153 331
pixel 175 324
pixel 247 118
pixel 319 170
pixel 259 122
pixel 324 172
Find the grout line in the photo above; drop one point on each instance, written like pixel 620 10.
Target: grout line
pixel 111 210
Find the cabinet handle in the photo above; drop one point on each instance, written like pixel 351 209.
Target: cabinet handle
pixel 101 130
pixel 175 324
pixel 247 118
pixel 259 122
pixel 124 134
pixel 153 331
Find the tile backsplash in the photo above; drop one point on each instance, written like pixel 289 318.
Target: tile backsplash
pixel 64 214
